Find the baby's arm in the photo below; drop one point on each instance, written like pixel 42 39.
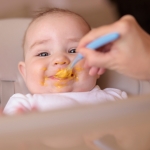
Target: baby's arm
pixel 17 103
pixel 116 93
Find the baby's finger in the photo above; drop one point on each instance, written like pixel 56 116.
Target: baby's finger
pixel 34 109
pixel 1 112
pixel 20 110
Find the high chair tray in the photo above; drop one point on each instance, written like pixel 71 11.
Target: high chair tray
pixel 120 125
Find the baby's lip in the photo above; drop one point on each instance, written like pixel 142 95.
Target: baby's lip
pixel 56 78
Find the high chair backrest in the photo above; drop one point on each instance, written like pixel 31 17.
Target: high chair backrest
pixel 131 86
pixel 11 52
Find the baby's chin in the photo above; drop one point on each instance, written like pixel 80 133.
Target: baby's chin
pixel 52 90
pixel 60 89
pixel 65 90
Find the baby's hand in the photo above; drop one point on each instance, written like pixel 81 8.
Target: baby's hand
pixel 1 112
pixel 22 110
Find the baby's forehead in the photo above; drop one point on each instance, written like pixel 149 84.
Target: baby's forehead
pixel 49 18
pixel 56 16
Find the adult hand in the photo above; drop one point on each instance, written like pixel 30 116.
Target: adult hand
pixel 128 55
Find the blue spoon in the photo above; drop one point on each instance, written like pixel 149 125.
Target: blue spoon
pixel 99 42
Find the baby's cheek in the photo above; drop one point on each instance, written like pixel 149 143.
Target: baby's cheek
pixel 37 75
pixel 42 76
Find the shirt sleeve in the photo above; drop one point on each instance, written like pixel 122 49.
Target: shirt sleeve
pixel 116 93
pixel 17 102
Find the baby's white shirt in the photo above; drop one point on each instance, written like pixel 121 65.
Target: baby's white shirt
pixel 53 101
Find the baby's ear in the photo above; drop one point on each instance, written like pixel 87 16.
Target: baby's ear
pixel 22 69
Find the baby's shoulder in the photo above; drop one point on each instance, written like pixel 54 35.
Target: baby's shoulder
pixel 18 95
pixel 21 96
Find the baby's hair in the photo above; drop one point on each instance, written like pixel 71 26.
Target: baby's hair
pixel 46 11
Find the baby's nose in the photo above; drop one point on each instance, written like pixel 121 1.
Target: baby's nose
pixel 61 61
pixel 65 62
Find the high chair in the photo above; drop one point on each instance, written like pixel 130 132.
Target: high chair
pixel 86 119
pixel 11 52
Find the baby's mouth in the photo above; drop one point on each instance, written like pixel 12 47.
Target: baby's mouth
pixel 59 78
pixel 64 74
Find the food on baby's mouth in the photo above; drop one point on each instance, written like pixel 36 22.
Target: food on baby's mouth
pixel 64 73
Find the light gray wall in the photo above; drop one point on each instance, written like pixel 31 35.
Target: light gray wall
pixel 96 12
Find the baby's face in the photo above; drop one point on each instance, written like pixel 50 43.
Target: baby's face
pixel 50 45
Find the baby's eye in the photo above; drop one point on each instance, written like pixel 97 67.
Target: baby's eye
pixel 43 54
pixel 72 50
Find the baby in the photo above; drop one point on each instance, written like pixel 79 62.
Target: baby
pixel 50 44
